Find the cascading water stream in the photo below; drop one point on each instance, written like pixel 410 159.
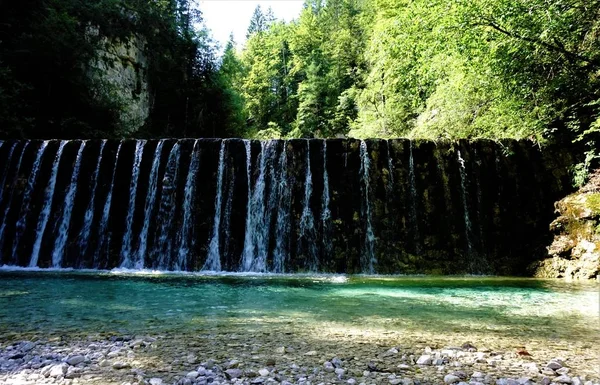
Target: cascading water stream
pixel 227 215
pixel 282 224
pixel 307 238
pixel 185 235
pixel 414 219
pixel 162 251
pixel 213 260
pixel 103 236
pixel 88 217
pixel 254 255
pixel 6 169
pixel 368 260
pixel 325 210
pixel 10 197
pixel 463 195
pixel 149 206
pixel 45 213
pixel 63 229
pixel 24 211
pixel 127 245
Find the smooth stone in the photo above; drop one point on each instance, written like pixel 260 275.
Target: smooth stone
pixel 311 353
pixel 451 379
pixel 336 362
pixel 280 350
pixel 562 370
pixel 395 381
pixel 75 360
pixel 155 381
pixel 264 372
pixel 477 375
pixel 404 367
pixel 328 366
pixel 564 379
pixel 58 370
pixel 233 373
pixel 575 380
pixel 463 383
pixel 554 365
pixel 340 371
pixel 476 383
pixel 424 360
pixel 121 365
pixel 193 375
pixel 351 381
pixel 27 346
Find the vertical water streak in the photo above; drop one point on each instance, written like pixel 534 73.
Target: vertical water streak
pixel 248 252
pixel 463 195
pixel 68 203
pixel 88 217
pixel 213 260
pixel 24 211
pixel 253 258
pixel 390 163
pixel 6 169
pixel 185 235
pixel 414 220
pixel 325 210
pixel 103 236
pixel 307 221
pixel 368 260
pixel 149 206
pixel 11 196
pixel 47 206
pixel 162 251
pixel 282 231
pixel 227 215
pixel 127 240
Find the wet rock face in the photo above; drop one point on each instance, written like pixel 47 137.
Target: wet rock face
pixel 575 251
pixel 340 206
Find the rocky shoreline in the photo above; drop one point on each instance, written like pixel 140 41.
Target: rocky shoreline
pixel 163 359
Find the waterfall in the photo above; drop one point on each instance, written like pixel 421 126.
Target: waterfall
pixel 256 244
pixel 227 215
pixel 149 206
pixel 127 241
pixel 390 164
pixel 88 217
pixel 24 211
pixel 6 169
pixel 325 211
pixel 103 236
pixel 248 252
pixel 282 231
pixel 45 213
pixel 213 260
pixel 162 250
pixel 185 234
pixel 368 260
pixel 463 195
pixel 63 229
pixel 414 219
pixel 11 196
pixel 307 221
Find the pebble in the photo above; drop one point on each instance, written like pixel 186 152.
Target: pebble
pixel 74 360
pixel 563 379
pixel 155 381
pixel 424 360
pixel 121 365
pixel 264 372
pixel 328 366
pixel 451 379
pixel 554 365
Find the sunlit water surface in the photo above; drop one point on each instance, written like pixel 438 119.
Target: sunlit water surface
pixel 76 302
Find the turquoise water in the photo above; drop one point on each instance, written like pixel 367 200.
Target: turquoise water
pixel 74 302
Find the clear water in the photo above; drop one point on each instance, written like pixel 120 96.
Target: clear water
pixel 80 302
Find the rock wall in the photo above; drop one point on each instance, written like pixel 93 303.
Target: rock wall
pixel 340 206
pixel 122 65
pixel 575 250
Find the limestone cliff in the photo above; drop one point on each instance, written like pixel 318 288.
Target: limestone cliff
pixel 121 65
pixel 575 251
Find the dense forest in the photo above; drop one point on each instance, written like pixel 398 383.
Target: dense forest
pixel 357 68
